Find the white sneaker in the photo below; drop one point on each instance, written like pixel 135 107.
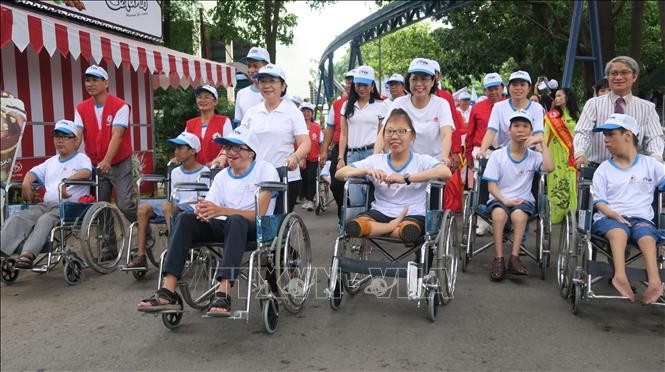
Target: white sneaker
pixel 304 205
pixel 480 230
pixel 310 205
pixel 483 228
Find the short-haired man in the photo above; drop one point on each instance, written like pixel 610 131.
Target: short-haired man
pixel 622 73
pixel 396 86
pixel 247 97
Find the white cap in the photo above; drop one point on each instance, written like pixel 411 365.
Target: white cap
pixel 364 75
pixel 206 88
pixel 189 139
pixel 553 84
pixel 240 136
pixel 542 86
pixel 351 73
pixel 520 114
pixel 464 95
pixel 619 121
pixel 422 65
pixel 491 80
pixel 96 71
pixel 436 66
pixel 272 70
pixel 307 105
pixel 66 126
pixel 296 99
pixel 396 78
pixel 520 75
pixel 259 54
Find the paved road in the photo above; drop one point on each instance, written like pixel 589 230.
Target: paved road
pixel 518 324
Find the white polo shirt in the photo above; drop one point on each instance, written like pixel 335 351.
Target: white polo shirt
pixel 51 172
pixel 630 191
pixel 427 122
pixel 499 120
pixel 179 175
pixel 363 126
pixel 245 99
pixel 513 177
pixel 276 132
pixel 391 200
pixel 237 192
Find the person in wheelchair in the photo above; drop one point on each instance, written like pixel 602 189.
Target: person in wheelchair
pixel 227 214
pixel 187 145
pixel 33 226
pixel 400 179
pixel 623 189
pixel 509 173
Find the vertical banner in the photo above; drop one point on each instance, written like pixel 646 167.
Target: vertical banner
pixel 12 124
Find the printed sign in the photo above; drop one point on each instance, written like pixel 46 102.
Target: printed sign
pixel 12 124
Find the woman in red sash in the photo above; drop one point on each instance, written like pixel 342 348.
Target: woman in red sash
pixel 559 128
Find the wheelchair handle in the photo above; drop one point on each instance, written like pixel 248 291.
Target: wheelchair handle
pixel 190 186
pixel 357 181
pixel 436 183
pixel 273 186
pixel 151 178
pixel 70 182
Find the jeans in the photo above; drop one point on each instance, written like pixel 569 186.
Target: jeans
pixel 357 193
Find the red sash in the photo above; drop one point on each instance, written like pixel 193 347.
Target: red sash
pixel 560 130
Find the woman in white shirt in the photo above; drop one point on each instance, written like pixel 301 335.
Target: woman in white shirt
pixel 279 125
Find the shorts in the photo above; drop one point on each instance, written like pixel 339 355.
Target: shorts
pixel 639 227
pixel 382 218
pixel 158 211
pixel 527 207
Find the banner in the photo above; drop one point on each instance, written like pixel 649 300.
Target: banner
pixel 12 124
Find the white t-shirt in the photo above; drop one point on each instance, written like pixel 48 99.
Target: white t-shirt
pixel 364 124
pixel 465 114
pixel 427 122
pixel 245 99
pixel 180 175
pixel 392 200
pixel 500 119
pixel 276 132
pixel 628 192
pixel 237 192
pixel 514 178
pixel 53 170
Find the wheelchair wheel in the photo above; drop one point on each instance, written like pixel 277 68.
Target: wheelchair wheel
pixel 567 260
pixel 433 304
pixel 355 249
pixel 447 258
pixel 139 274
pixel 102 237
pixel 270 314
pixel 466 248
pixel 171 319
pixel 336 296
pixel 293 263
pixel 73 271
pixel 160 243
pixel 198 278
pixel 9 270
pixel 575 298
pixel 544 239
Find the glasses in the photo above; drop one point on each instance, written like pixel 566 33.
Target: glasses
pixel 624 73
pixel 234 148
pixel 399 132
pixel 62 138
pixel 267 81
pixel 418 79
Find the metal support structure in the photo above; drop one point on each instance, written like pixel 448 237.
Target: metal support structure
pixel 573 42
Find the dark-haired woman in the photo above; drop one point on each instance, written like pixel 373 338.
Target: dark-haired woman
pixel 361 117
pixel 559 128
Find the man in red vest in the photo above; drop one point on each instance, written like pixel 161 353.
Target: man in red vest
pixel 103 121
pixel 331 134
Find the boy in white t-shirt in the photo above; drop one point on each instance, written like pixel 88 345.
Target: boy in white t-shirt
pixel 509 172
pixel 32 226
pixel 187 146
pixel 623 190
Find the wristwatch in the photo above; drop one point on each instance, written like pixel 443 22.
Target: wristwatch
pixel 406 179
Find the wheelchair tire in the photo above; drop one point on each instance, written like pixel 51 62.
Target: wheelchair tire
pixel 139 274
pixel 575 298
pixel 9 270
pixel 293 263
pixel 270 314
pixel 466 250
pixel 337 294
pixel 354 282
pixel 545 239
pixel 433 299
pixel 198 278
pixel 567 260
pixel 160 244
pixel 171 319
pixel 447 258
pixel 73 271
pixel 103 237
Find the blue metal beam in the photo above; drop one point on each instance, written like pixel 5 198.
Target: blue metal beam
pixel 573 42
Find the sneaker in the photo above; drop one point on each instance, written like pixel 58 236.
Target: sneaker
pixel 498 269
pixel 515 266
pixel 310 205
pixel 138 261
pixel 480 231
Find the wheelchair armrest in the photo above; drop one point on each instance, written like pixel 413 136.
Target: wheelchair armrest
pixel 151 178
pixel 70 182
pixel 272 186
pixel 357 181
pixel 190 186
pixel 436 184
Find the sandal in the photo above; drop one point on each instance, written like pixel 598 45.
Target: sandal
pixel 156 305
pixel 220 301
pixel 25 261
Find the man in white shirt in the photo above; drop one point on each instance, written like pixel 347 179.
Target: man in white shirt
pixel 32 226
pixel 247 97
pixel 465 106
pixel 622 73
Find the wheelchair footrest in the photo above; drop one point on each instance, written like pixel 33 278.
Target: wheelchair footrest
pixel 607 270
pixel 374 268
pixel 125 268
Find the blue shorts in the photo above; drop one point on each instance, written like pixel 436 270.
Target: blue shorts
pixel 639 227
pixel 527 207
pixel 158 211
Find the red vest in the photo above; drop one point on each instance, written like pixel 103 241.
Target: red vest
pixel 458 120
pixel 97 140
pixel 315 138
pixel 209 149
pixel 337 105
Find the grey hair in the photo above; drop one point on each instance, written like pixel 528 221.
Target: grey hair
pixel 625 60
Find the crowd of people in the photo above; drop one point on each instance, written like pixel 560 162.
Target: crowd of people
pixel 420 132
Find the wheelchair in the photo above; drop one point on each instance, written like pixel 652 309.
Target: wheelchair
pixel 282 246
pixel 98 227
pixel 431 278
pixel 578 267
pixel 475 206
pixel 323 197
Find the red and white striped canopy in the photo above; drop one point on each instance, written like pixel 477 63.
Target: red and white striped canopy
pixel 51 34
